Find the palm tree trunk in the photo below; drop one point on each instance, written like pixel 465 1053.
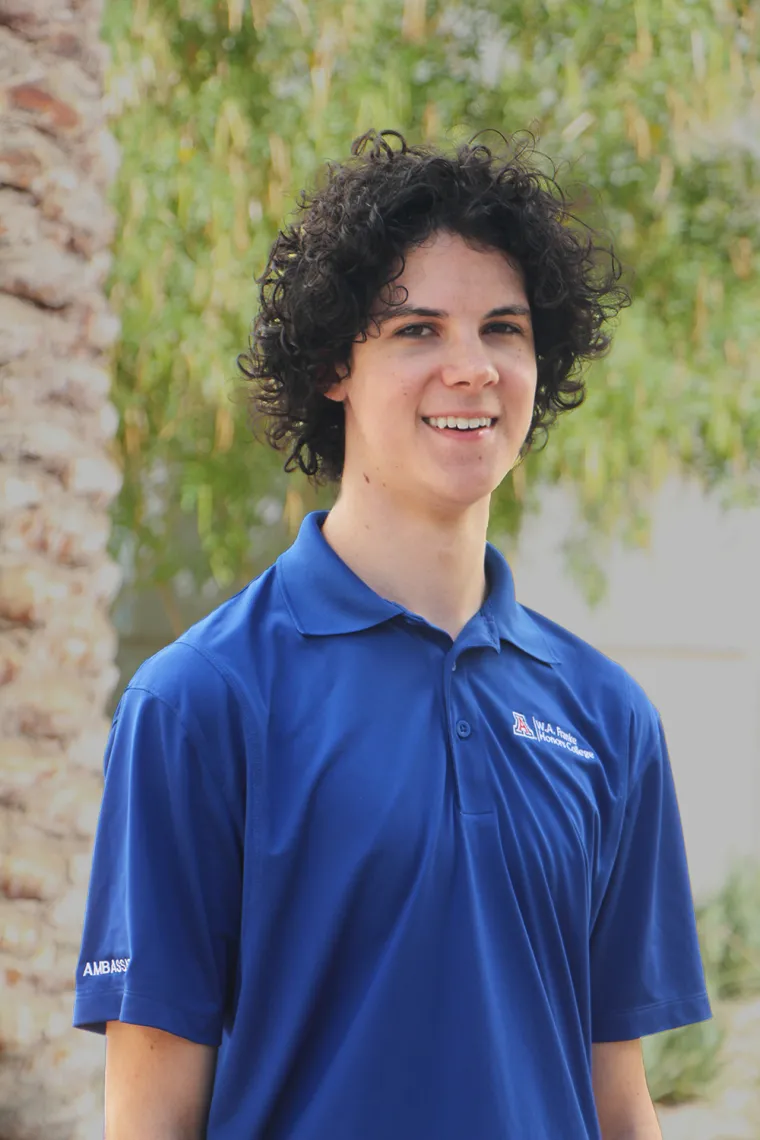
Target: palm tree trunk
pixel 57 645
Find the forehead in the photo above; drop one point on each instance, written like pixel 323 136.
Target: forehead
pixel 447 267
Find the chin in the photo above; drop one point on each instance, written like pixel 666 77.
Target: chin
pixel 451 490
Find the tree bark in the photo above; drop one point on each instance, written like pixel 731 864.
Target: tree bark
pixel 57 582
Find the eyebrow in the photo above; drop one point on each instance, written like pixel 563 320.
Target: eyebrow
pixel 394 311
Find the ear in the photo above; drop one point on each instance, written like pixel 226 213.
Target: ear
pixel 337 390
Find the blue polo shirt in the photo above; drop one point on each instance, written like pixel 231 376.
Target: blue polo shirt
pixel 402 882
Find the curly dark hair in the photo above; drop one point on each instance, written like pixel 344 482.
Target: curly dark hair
pixel 346 246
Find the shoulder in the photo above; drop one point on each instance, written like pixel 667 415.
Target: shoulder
pixel 210 676
pixel 573 655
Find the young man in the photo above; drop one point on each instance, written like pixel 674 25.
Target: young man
pixel 382 854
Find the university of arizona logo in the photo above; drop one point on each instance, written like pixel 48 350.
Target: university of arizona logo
pixel 521 726
pixel 548 733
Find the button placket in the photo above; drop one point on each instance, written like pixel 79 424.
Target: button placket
pixel 466 751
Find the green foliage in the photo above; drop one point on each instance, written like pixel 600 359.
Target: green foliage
pixel 682 1064
pixel 729 934
pixel 224 109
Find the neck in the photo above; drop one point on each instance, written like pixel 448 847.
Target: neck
pixel 432 566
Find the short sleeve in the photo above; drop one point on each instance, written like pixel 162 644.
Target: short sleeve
pixel 646 968
pixel 161 930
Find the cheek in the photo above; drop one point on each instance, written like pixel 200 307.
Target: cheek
pixel 521 386
pixel 404 383
pixel 397 403
pixel 529 379
pixel 380 412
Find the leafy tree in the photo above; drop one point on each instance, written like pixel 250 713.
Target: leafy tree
pixel 224 109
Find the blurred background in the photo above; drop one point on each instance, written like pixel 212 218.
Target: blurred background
pixel 149 150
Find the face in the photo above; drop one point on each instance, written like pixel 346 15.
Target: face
pixel 439 402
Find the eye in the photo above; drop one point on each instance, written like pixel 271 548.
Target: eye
pixel 413 332
pixel 503 327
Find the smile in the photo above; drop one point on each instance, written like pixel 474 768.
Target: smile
pixel 459 423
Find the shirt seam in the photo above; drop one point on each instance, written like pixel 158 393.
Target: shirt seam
pixel 630 786
pixel 254 793
pixel 629 763
pixel 651 1005
pixel 126 993
pixel 193 734
pixel 185 1010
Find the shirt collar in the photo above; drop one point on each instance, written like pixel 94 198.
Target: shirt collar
pixel 326 597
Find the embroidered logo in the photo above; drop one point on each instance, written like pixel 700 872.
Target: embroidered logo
pixel 521 726
pixel 549 734
pixel 106 966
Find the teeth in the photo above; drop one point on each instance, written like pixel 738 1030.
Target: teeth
pixel 459 422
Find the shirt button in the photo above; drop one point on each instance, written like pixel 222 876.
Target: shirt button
pixel 463 729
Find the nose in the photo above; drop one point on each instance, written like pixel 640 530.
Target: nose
pixel 469 367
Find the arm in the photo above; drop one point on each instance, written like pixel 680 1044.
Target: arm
pixel 158 1086
pixel 623 1103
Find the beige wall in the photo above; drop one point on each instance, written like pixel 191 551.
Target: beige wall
pixel 684 618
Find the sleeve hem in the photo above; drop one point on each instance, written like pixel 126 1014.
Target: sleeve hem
pixel 629 1024
pixel 92 1011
